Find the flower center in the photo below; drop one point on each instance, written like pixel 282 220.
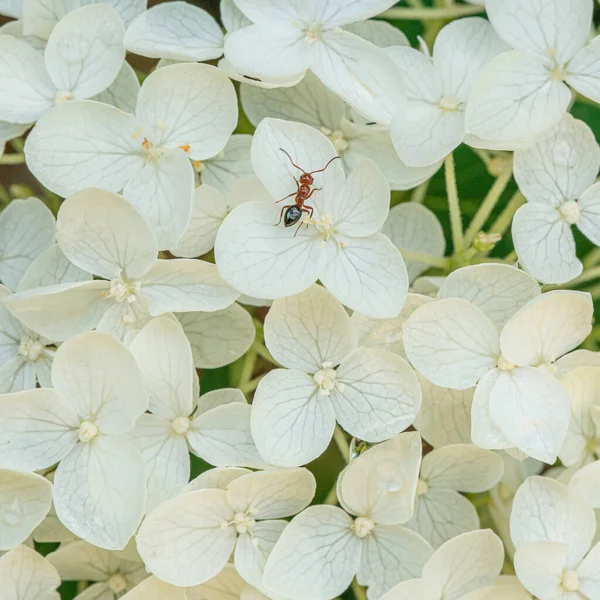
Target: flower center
pixel 180 425
pixel 337 139
pixel 198 165
pixel 422 488
pixel 122 290
pixel 151 150
pixel 570 581
pixel 326 379
pixel 505 365
pixel 30 349
pixel 558 73
pixel 87 431
pixel 243 522
pixel 362 526
pixel 548 367
pixel 570 212
pixel 63 96
pixel 312 33
pixel 117 583
pixel 389 477
pixel 450 103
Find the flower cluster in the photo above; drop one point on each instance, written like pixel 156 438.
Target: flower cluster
pixel 399 367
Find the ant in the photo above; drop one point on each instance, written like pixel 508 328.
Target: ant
pixel 294 212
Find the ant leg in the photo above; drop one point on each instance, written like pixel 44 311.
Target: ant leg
pixel 281 213
pixel 293 163
pixel 308 211
pixel 312 192
pixel 321 170
pixel 288 196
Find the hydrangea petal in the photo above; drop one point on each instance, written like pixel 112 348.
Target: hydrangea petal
pixel 582 71
pixel 589 205
pixel 123 91
pixel 27 575
pixel 539 567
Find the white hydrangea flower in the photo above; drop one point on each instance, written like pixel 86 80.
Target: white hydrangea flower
pixel 123 91
pixel 83 56
pixel 185 111
pixel 25 500
pixel 557 176
pixel 457 569
pixel 27 575
pixel 211 206
pixel 521 93
pixel 430 122
pixel 324 547
pixel 552 529
pixel 441 513
pixel 100 232
pixel 41 16
pixel 312 103
pixel 372 393
pixel 51 529
pixel 243 519
pixel 585 483
pixel 112 573
pixel 99 487
pixel 27 228
pixel 339 244
pixel 287 38
pixel 412 226
pixel 518 401
pixel 582 442
pixel 216 426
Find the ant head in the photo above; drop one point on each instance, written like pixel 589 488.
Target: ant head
pixel 307 179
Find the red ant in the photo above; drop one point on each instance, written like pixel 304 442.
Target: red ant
pixel 294 212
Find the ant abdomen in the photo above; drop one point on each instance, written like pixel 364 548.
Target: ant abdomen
pixel 292 215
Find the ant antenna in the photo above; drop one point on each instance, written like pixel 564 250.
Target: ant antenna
pixel 293 163
pixel 321 170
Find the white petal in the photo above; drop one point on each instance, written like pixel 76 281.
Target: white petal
pixel 582 71
pixel 12 8
pixel 368 275
pixel 545 510
pixel 466 562
pixel 221 436
pixel 531 408
pixel 26 91
pixel 308 148
pixel 162 191
pixel 309 329
pixel 308 102
pixel 164 357
pixel 215 479
pixel 26 230
pixel 316 556
pixel 499 291
pixel 588 573
pixel 183 285
pixel 155 589
pixel 514 98
pixel 85 51
pixel 218 338
pixel 182 541
pixel 123 91
pixel 561 164
pixel 229 166
pixel 380 397
pixel 461 50
pixel 413 589
pixel 380 33
pixel 265 261
pixel 563 29
pixel 165 456
pixel 27 575
pixel 544 244
pixel 124 317
pixel 101 233
pixel 25 499
pixel 441 515
pixel 382 482
pixel 227 585
pixel 539 567
pixel 547 327
pixel 38 428
pixel 16 375
pixel 445 415
pixel 100 492
pixel 220 397
pixel 291 422
pixel 414 227
pixel 589 223
pixel 176 30
pixel 584 483
pixel 84 144
pixel 50 268
pixel 451 342
pixel 232 17
pixel 359 72
pixel 391 554
pixel 272 494
pixel 339 12
pixel 200 111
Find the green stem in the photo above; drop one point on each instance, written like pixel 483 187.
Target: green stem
pixel 332 496
pixel 18 144
pixel 263 353
pixel 251 385
pixel 591 258
pixel 342 443
pixel 587 275
pixel 82 585
pixel 488 204
pixel 427 14
pixel 502 223
pixel 510 258
pixel 420 192
pixel 359 591
pixel 247 368
pixel 12 159
pixel 454 206
pixel 426 259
